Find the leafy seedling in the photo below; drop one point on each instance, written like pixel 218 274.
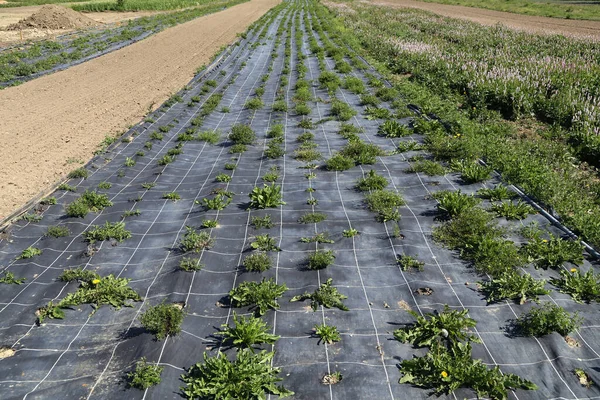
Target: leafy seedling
pixel 548 318
pixel 190 264
pixel 257 262
pixel 581 287
pixel 50 311
pixel 498 193
pixel 385 203
pixel 259 296
pixel 452 204
pixel 99 291
pixel 326 295
pixel 57 231
pixel 312 218
pixel 407 262
pixel 114 230
pixel 372 181
pixel 327 334
pixel 269 196
pixel 195 241
pixel 247 332
pixel 264 243
pixel 322 237
pixel 249 376
pixel 262 222
pixel 512 211
pixel 320 259
pixel 219 202
pixel 514 286
pixel 29 252
pixel 350 232
pixel 9 278
pixel 553 253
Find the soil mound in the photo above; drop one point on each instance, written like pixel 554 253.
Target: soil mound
pixel 53 17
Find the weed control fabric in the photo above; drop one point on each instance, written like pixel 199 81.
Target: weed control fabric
pixel 218 204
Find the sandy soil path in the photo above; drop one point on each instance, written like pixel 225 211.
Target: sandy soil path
pixel 65 115
pixel 516 21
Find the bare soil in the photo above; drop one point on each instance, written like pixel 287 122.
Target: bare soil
pixel 10 16
pixel 545 25
pixel 67 114
pixel 52 16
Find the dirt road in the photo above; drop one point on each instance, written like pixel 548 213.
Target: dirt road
pixel 65 115
pixel 516 21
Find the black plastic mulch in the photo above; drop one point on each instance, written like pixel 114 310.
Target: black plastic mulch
pixel 87 356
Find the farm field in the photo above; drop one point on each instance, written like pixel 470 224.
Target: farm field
pixel 331 235
pixel 528 23
pixel 567 9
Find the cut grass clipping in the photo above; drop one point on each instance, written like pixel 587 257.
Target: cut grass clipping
pixel 249 376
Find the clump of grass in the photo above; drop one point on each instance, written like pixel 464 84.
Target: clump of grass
pixel 165 160
pixel 78 173
pixel 512 211
pixel 305 137
pixel 9 279
pixel 246 332
pixel 385 204
pixel 78 274
pixel 88 202
pixel 100 291
pixel 329 80
pixel 354 85
pixel 474 172
pixel 514 286
pixel 195 241
pixel 378 113
pixel 238 148
pixel 455 203
pixel 581 287
pixel 268 196
pixel 342 111
pixel 552 253
pixel 327 333
pixel 320 259
pixel 57 231
pixel 114 230
pixel 545 319
pixel 31 217
pixel 361 152
pixel 262 222
pixel 210 223
pixel 219 202
pixel 339 162
pixel 254 104
pixel 407 262
pixel 280 106
pixel 393 129
pixel 242 134
pixel 350 232
pixel 260 296
pixel 67 187
pixel 257 262
pixel 428 167
pixel 302 109
pixel 249 376
pixel 163 320
pixel 211 137
pixel 276 131
pixel 144 375
pixel 306 123
pixel 322 237
pixel 498 193
pixel 51 311
pixel 326 295
pixel 264 243
pixel 230 166
pixel 274 150
pixel 29 252
pixel 372 181
pixel 410 145
pixel 223 178
pixel 312 218
pixel 103 185
pixel 453 325
pixel 174 196
pixel 190 264
pixel 157 136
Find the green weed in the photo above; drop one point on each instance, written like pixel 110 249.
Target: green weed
pixel 326 296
